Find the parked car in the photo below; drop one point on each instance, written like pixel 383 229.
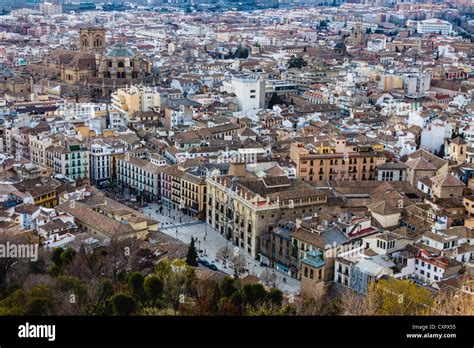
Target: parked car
pixel 207 264
pixel 204 262
pixel 213 267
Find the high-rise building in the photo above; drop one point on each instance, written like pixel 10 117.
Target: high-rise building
pixel 50 8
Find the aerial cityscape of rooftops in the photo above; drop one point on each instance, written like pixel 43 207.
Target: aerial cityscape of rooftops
pixel 251 157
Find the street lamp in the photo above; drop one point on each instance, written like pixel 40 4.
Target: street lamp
pixel 181 206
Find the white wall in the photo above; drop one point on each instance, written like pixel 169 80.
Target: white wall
pixel 250 93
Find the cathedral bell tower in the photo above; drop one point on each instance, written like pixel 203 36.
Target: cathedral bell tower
pixel 92 40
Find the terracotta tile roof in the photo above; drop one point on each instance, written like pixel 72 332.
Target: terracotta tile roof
pixel 420 163
pixel 436 161
pixel 26 209
pixel 447 180
pixel 384 208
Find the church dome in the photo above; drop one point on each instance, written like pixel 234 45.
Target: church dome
pixel 340 46
pixel 120 50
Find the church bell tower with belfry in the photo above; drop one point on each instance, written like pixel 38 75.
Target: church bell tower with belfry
pixel 92 40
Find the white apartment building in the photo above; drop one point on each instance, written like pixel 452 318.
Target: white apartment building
pixel 431 269
pixel 395 107
pixel 377 45
pixel 432 137
pixel 356 270
pixel 250 92
pixel 174 117
pixel 87 111
pixel 264 40
pixel 141 176
pixel 416 85
pixel 133 99
pixel 117 120
pixel 435 26
pixel 391 171
pixel 101 162
pixel 38 145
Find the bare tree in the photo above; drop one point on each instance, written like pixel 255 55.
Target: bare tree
pixel 454 302
pixel 238 263
pixel 353 303
pixel 223 254
pixel 321 303
pixel 268 277
pixel 13 269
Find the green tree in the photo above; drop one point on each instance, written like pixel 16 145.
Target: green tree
pixel 275 297
pixel 67 256
pixel 135 282
pixel 153 288
pixel 237 299
pixel 56 256
pixel 274 100
pixel 441 152
pixel 163 268
pixel 296 62
pixel 226 307
pixel 40 301
pixel 254 294
pixel 191 257
pixel 228 287
pixel 123 304
pixel 14 304
pixel 71 284
pixel 398 297
pixel 241 52
pixel 368 31
pixel 54 270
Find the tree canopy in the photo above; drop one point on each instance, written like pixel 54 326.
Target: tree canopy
pixel 192 255
pixel 296 62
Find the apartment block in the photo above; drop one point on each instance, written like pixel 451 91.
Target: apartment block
pixel 336 160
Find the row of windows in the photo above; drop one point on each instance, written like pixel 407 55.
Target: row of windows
pixel 428 275
pixel 417 262
pixel 383 244
pixel 336 161
pixel 389 174
pixel 123 166
pixel 311 273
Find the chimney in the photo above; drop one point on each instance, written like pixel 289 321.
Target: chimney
pixel 237 169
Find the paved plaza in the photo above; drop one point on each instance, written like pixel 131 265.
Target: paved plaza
pixel 209 241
